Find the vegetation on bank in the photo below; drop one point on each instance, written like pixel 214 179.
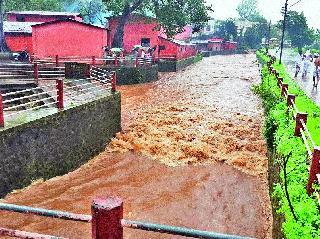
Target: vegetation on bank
pixel 300 212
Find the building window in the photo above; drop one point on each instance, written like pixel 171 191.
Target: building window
pixel 145 42
pixel 20 18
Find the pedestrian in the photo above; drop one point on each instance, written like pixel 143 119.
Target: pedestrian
pixel 316 71
pixel 305 64
pixel 298 62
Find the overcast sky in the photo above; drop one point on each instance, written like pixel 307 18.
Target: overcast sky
pixel 270 9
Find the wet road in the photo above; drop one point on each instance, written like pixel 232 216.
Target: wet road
pixel 191 154
pixel 306 83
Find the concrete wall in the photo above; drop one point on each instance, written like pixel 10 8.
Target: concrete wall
pixel 58 143
pixel 174 65
pixel 127 75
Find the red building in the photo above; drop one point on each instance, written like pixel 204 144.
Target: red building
pixel 18 35
pixel 138 30
pixel 41 16
pixel 176 49
pixel 219 44
pixel 68 38
pixel 215 44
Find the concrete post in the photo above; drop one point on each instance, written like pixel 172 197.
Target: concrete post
pixel 93 60
pixel 314 169
pixel 299 117
pixel 291 99
pixel 60 94
pixel 107 214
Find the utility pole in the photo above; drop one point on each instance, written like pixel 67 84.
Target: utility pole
pixel 283 28
pixel 268 37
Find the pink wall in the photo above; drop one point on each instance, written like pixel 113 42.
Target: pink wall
pixel 215 46
pixel 19 42
pixel 135 29
pixel 175 50
pixel 40 18
pixel 68 39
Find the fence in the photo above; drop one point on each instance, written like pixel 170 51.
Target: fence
pixel 301 130
pixel 106 221
pixel 52 92
pixel 111 60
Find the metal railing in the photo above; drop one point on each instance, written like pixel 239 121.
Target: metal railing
pixel 55 93
pixel 109 60
pixel 107 222
pixel 301 129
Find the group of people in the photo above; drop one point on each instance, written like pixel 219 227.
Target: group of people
pixel 144 53
pixel 303 61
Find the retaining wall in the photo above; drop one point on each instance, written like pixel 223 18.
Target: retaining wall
pixel 176 65
pixel 58 143
pixel 128 75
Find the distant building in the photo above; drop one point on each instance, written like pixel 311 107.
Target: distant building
pixel 18 35
pixel 41 16
pixel 176 49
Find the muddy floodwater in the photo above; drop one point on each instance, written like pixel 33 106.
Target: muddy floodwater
pixel 191 154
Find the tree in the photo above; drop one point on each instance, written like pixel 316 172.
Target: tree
pixel 248 10
pixel 172 15
pixel 298 30
pixel 227 30
pixel 254 35
pixel 93 11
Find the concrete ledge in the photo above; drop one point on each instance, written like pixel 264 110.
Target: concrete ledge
pixel 176 65
pixel 128 75
pixel 58 143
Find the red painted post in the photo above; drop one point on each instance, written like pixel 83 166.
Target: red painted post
pixel 36 72
pixel 93 60
pixel 107 214
pixel 291 99
pixel 314 169
pixel 136 62
pixel 60 94
pixel 116 61
pixel 299 117
pixel 114 81
pixel 57 60
pixel 1 112
pixel 280 81
pixel 284 89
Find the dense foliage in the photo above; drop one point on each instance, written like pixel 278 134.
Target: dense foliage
pixel 301 212
pixel 172 15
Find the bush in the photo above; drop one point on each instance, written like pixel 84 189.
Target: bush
pixel 279 131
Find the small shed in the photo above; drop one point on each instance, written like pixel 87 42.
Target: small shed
pixel 18 35
pixel 68 38
pixel 176 49
pixel 215 44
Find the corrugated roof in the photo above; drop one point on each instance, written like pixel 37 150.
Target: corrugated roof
pixel 67 20
pixel 18 27
pixel 44 13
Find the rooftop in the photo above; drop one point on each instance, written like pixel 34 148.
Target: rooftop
pixel 44 13
pixel 18 27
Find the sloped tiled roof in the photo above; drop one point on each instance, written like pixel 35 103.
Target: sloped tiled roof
pixel 18 27
pixel 45 13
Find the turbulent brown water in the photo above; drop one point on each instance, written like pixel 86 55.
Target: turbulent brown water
pixel 190 154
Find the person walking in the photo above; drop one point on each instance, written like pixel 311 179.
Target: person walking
pixel 316 71
pixel 298 62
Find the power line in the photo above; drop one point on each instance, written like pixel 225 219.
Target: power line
pixel 295 3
